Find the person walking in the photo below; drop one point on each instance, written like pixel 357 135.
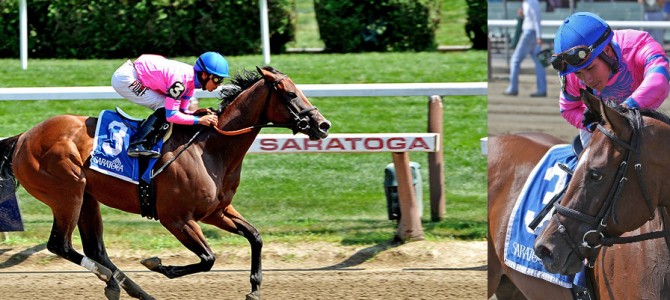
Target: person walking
pixel 530 42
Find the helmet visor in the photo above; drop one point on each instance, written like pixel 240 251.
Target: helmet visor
pixel 578 55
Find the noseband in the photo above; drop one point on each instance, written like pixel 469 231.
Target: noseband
pixel 599 222
pixel 300 118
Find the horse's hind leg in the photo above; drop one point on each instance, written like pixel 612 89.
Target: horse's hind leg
pixel 90 228
pixel 232 221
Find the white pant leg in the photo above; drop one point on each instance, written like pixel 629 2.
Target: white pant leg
pixel 125 82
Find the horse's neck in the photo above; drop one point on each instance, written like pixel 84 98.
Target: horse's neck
pixel 656 161
pixel 246 110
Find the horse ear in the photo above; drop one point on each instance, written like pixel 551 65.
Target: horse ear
pixel 607 114
pixel 592 102
pixel 265 73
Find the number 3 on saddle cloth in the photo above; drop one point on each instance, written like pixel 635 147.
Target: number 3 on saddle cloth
pixel 112 137
pixel 545 181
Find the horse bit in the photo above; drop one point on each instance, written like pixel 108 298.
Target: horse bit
pixel 599 222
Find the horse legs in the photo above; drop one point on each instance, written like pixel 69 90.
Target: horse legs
pixel 90 229
pixel 188 232
pixel 232 221
pixel 60 243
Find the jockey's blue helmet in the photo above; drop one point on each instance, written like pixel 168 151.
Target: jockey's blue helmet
pixel 213 63
pixel 579 40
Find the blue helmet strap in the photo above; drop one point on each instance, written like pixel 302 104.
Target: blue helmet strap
pixel 613 62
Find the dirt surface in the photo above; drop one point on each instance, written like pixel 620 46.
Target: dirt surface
pixel 416 270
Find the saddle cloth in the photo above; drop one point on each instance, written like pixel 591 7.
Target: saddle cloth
pixel 112 137
pixel 545 181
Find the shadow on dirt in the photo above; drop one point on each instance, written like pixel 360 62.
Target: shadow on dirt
pixel 20 257
pixel 363 255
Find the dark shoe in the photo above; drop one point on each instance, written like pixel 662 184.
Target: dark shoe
pixel 139 150
pixel 506 93
pixel 538 95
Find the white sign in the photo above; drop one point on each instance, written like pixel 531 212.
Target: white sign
pixel 350 142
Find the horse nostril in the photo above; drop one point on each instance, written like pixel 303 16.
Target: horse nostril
pixel 324 126
pixel 542 252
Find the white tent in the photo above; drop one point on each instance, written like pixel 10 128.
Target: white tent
pixel 23 20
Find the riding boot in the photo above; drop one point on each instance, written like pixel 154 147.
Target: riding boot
pixel 143 140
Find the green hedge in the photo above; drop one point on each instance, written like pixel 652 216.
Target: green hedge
pixel 119 29
pixel 377 25
pixel 476 27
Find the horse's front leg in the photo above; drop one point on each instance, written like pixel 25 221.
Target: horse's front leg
pixel 190 235
pixel 232 221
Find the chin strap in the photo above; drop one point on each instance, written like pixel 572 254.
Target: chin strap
pixel 613 62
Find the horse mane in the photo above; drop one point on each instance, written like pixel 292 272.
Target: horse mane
pixel 650 113
pixel 238 83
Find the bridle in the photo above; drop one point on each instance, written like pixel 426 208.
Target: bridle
pixel 300 117
pixel 599 222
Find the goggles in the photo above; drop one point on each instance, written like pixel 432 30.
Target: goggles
pixel 577 55
pixel 216 79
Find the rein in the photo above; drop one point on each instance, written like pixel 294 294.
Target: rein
pixel 599 222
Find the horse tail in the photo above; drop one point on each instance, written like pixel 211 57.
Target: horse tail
pixel 7 147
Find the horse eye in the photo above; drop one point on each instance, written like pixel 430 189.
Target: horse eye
pixel 291 95
pixel 596 176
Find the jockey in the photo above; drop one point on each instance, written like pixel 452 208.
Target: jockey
pixel 627 67
pixel 167 87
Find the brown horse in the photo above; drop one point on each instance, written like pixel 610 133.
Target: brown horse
pixel 52 160
pixel 626 271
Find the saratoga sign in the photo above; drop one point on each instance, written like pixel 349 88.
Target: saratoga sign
pixel 363 142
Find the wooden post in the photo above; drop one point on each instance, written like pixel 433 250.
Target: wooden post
pixel 409 225
pixel 436 161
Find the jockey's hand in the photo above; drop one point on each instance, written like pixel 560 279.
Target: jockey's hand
pixel 590 120
pixel 209 120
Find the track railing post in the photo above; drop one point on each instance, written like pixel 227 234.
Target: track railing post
pixel 436 161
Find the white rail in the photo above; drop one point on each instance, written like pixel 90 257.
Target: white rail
pixel 310 90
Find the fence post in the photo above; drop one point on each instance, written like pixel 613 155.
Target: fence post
pixel 409 225
pixel 436 161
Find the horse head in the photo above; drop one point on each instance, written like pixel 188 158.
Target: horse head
pixel 296 110
pixel 615 188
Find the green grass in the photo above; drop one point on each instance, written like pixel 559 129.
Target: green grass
pixel 300 197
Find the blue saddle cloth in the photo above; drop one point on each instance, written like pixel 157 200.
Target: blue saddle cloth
pixel 112 137
pixel 545 181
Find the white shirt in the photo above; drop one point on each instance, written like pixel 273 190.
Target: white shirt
pixel 532 16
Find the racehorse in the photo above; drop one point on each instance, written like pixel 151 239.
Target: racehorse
pixel 639 270
pixel 52 159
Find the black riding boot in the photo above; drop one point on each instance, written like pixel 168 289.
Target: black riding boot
pixel 143 140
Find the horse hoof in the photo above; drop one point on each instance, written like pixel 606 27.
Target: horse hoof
pixel 112 293
pixel 253 296
pixel 152 263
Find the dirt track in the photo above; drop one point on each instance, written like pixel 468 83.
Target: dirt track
pixel 418 270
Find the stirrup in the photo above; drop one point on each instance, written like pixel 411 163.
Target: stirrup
pixel 139 150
